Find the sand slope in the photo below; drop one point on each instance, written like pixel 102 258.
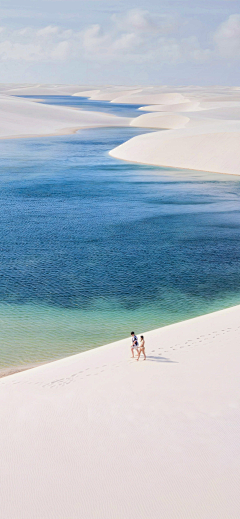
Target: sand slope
pixel 149 98
pixel 214 150
pixel 41 89
pixel 107 94
pixel 159 120
pixel 189 106
pixel 204 131
pixel 21 117
pixel 101 435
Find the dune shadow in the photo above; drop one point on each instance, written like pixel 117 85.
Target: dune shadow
pixel 154 358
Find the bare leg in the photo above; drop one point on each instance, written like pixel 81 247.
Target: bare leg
pixel 132 350
pixel 144 354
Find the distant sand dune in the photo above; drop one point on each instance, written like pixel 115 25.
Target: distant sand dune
pixel 165 98
pixel 21 117
pixel 202 124
pixel 41 89
pixel 107 94
pixel 204 130
pixel 162 120
pixel 189 106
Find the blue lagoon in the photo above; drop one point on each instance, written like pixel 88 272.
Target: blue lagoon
pixel 92 247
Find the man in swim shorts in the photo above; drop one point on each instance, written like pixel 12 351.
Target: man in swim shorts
pixel 134 345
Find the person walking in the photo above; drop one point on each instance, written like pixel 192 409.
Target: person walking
pixel 134 345
pixel 142 348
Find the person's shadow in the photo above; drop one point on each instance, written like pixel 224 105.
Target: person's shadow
pixel 159 358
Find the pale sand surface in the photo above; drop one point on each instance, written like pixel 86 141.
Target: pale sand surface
pixel 22 117
pixel 214 149
pixel 188 106
pixel 161 120
pixel 149 98
pixel 107 94
pixel 40 89
pixel 10 370
pixel 203 131
pixel 101 435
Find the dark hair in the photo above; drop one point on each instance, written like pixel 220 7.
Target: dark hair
pixel 132 333
pixel 141 336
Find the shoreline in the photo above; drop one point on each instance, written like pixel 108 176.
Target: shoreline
pixel 48 120
pixel 171 167
pixel 15 369
pixel 64 131
pixel 173 420
pixel 68 131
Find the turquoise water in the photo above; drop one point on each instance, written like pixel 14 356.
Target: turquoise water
pixel 92 247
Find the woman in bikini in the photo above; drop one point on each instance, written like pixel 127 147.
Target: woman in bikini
pixel 142 348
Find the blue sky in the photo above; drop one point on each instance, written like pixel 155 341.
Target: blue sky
pixel 122 41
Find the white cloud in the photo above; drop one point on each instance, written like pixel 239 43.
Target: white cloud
pixel 48 31
pixel 139 36
pixel 49 43
pixel 136 36
pixel 18 51
pixel 125 42
pixel 94 41
pixel 227 37
pixel 60 51
pixel 136 20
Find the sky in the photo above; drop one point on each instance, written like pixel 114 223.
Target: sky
pixel 130 42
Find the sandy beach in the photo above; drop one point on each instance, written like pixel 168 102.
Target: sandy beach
pixel 100 434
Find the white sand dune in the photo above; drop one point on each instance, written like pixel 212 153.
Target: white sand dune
pixel 189 106
pixel 21 117
pixel 86 93
pixel 24 90
pixel 148 99
pixel 205 119
pixel 203 132
pixel 98 435
pixel 213 148
pixel 107 94
pixel 203 123
pixel 224 113
pixel 192 106
pixel 163 120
